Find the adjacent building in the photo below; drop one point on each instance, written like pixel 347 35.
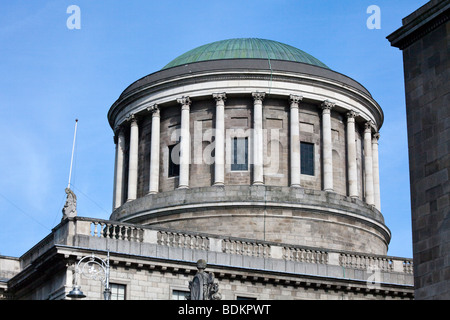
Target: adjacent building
pixel 424 39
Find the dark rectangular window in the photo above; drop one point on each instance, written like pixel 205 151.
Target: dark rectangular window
pixel 245 298
pixel 307 158
pixel 239 154
pixel 174 166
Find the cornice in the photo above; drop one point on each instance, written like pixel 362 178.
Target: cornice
pixel 419 23
pixel 262 75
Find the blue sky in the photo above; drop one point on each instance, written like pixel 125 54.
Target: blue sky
pixel 51 75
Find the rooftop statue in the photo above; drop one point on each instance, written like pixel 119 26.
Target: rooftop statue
pixel 203 287
pixel 70 207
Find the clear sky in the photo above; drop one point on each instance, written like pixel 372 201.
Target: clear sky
pixel 50 75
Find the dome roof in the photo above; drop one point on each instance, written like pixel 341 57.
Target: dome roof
pixel 245 48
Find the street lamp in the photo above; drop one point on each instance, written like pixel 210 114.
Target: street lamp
pixel 95 268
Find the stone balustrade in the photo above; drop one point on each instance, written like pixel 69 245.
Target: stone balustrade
pixel 243 247
pixel 116 231
pixel 182 240
pixel 357 261
pixel 77 232
pixel 305 255
pixel 248 248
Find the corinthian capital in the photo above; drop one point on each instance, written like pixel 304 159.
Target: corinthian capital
pixel 352 114
pixel 258 96
pixel 376 137
pixel 327 105
pixel 295 99
pixel 369 125
pixel 184 101
pixel 220 97
pixel 133 119
pixel 154 109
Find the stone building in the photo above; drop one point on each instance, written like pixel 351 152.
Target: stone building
pixel 424 39
pixel 247 153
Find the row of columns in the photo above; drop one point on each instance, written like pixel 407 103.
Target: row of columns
pixel 371 167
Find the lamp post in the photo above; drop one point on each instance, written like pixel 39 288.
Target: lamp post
pixel 92 267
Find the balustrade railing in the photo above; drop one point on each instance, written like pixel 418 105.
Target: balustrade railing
pixel 247 248
pixel 407 266
pixel 305 255
pixel 116 231
pixel 182 240
pixel 195 241
pixel 357 261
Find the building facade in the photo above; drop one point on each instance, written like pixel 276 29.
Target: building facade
pixel 259 148
pixel 247 153
pixel 424 39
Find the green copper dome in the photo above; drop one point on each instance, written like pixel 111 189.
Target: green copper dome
pixel 245 48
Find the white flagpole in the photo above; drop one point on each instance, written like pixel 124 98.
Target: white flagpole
pixel 73 148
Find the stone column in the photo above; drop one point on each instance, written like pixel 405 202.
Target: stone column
pixel 351 155
pixel 376 171
pixel 219 158
pixel 185 142
pixel 327 146
pixel 295 141
pixel 368 165
pixel 133 159
pixel 118 174
pixel 154 150
pixel 258 146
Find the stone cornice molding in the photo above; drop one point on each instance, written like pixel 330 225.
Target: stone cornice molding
pixel 419 23
pixel 116 112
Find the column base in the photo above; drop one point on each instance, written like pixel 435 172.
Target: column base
pixel 183 187
pixel 295 186
pixel 219 184
pixel 258 183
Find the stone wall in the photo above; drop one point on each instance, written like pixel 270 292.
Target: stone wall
pixel 424 39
